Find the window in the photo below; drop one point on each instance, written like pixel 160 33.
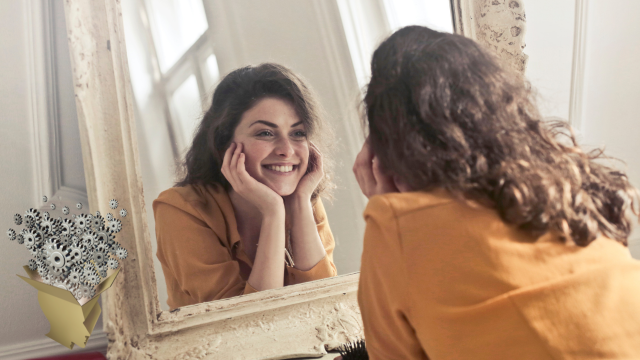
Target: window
pixel 172 66
pixel 368 22
pixel 435 14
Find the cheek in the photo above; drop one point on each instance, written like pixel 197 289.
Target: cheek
pixel 254 154
pixel 250 165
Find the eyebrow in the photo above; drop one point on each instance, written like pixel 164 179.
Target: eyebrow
pixel 272 125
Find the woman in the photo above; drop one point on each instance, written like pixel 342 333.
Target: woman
pixel 250 198
pixel 488 236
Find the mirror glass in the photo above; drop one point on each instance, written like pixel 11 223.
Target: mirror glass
pixel 178 51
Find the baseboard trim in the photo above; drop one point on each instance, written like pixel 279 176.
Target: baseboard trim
pixel 46 347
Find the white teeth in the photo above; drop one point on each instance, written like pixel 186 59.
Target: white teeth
pixel 284 169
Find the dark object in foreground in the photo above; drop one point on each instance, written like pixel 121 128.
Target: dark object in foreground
pixel 85 356
pixel 354 350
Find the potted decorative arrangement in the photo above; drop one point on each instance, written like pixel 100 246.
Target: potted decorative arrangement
pixel 75 259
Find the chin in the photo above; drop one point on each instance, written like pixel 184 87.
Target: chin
pixel 282 187
pixel 283 191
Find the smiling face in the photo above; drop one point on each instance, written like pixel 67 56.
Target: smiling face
pixel 274 143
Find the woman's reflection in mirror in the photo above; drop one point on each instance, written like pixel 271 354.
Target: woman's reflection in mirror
pixel 489 232
pixel 246 215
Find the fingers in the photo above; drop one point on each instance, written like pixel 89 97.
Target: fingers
pixel 363 171
pixel 369 174
pixel 315 159
pixel 401 185
pixel 384 183
pixel 236 170
pixel 241 170
pixel 378 176
pixel 226 160
pixel 230 165
pixel 357 172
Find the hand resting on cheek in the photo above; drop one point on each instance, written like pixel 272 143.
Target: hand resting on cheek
pixel 370 177
pixel 312 176
pixel 260 195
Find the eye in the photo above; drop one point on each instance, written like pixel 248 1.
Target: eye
pixel 264 133
pixel 300 134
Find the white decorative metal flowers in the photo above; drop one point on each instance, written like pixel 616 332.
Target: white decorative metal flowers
pixel 72 254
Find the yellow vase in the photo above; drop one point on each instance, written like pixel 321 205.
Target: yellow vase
pixel 71 321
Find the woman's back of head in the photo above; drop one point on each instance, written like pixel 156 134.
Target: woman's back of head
pixel 443 113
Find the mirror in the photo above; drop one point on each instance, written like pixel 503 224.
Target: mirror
pixel 179 50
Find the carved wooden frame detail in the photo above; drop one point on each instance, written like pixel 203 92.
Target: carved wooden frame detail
pixel 498 24
pixel 319 315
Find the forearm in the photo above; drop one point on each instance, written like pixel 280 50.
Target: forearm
pixel 268 267
pixel 306 244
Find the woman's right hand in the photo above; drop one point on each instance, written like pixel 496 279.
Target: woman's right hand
pixel 233 168
pixel 371 179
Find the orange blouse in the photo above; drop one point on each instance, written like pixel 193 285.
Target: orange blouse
pixel 441 279
pixel 200 250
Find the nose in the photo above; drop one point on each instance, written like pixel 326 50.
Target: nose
pixel 284 148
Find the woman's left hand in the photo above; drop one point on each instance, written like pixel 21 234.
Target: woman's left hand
pixel 314 174
pixel 370 177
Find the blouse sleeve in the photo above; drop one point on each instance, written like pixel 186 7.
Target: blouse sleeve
pixel 324 268
pixel 383 288
pixel 194 256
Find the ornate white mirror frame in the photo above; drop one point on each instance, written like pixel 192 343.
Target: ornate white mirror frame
pixel 301 320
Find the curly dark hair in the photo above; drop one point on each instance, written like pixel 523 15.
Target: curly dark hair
pixel 443 112
pixel 238 92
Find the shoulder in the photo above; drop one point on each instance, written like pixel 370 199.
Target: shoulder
pixel 191 198
pixel 396 205
pixel 192 207
pixel 396 218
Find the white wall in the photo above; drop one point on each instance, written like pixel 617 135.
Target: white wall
pixel 21 317
pixel 611 94
pixel 549 45
pixel 36 102
pixel 607 99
